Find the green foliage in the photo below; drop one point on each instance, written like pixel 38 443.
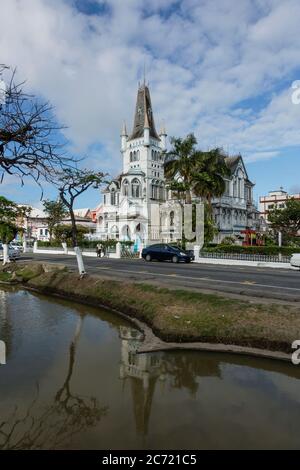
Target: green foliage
pixel 9 213
pixel 190 171
pixel 55 210
pixel 64 233
pixel 255 250
pixel 179 166
pixel 8 232
pixel 72 183
pixel 286 220
pixel 228 240
pixel 209 172
pixel 83 243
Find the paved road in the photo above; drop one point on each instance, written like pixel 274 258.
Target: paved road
pixel 269 283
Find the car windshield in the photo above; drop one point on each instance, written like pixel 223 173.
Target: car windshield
pixel 174 248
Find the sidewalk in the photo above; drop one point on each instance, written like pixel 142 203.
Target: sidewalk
pixel 233 262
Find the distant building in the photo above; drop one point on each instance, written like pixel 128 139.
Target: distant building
pixel 274 199
pixel 36 223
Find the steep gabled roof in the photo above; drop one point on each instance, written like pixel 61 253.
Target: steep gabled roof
pixel 232 163
pixel 143 114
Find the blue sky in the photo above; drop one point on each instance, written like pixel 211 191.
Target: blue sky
pixel 220 68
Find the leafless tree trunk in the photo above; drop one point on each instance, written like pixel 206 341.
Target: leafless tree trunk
pixel 30 143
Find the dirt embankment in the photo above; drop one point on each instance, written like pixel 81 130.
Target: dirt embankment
pixel 174 316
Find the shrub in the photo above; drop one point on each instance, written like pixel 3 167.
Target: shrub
pixel 255 250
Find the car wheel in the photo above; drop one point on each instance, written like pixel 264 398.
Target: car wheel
pixel 175 259
pixel 148 258
pixel 187 260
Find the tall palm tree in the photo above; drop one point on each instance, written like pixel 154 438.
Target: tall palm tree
pixel 179 164
pixel 209 173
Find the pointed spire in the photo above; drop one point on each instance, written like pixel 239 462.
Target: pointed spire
pixel 143 114
pixel 144 73
pixel 124 129
pixel 146 120
pixel 163 129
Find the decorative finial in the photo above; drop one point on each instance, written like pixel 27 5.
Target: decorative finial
pixel 124 130
pixel 162 128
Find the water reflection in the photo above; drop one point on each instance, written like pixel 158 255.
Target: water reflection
pixel 142 371
pixel 74 379
pixel 67 414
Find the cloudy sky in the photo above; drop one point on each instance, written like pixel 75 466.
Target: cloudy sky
pixel 220 68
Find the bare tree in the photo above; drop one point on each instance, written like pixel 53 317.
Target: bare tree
pixel 30 144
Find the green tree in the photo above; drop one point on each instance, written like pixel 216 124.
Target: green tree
pixel 55 210
pixel 71 183
pixel 179 166
pixel 193 173
pixel 63 233
pixel 9 214
pixel 209 173
pixel 286 220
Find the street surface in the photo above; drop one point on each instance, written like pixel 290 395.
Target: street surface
pixel 269 283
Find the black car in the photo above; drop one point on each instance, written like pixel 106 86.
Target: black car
pixel 165 252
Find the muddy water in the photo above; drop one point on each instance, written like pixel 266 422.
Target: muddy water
pixel 72 380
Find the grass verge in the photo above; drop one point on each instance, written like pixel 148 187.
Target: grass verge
pixel 179 316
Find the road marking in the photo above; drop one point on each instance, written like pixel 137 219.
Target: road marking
pixel 199 278
pixel 248 283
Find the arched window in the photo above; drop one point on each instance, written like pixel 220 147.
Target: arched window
pixel 114 232
pixel 135 188
pixel 138 155
pixel 113 198
pixel 172 218
pixel 131 156
pixel 154 190
pixel 161 192
pixel 134 156
pixel 125 188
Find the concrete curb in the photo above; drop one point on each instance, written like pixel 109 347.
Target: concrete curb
pixel 234 262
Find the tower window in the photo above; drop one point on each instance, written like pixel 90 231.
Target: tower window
pixel 136 188
pixel 125 188
pixel 113 199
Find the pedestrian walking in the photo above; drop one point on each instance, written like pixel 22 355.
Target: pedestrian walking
pixel 99 250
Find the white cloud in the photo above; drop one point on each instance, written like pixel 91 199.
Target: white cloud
pixel 203 59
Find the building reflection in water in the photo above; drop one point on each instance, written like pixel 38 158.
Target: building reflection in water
pixel 142 371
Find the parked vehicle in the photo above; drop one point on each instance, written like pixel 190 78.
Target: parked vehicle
pixel 165 252
pixel 17 245
pixel 13 252
pixel 295 260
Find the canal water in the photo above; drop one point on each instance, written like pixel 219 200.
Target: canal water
pixel 72 380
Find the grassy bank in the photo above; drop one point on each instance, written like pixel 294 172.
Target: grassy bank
pixel 173 315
